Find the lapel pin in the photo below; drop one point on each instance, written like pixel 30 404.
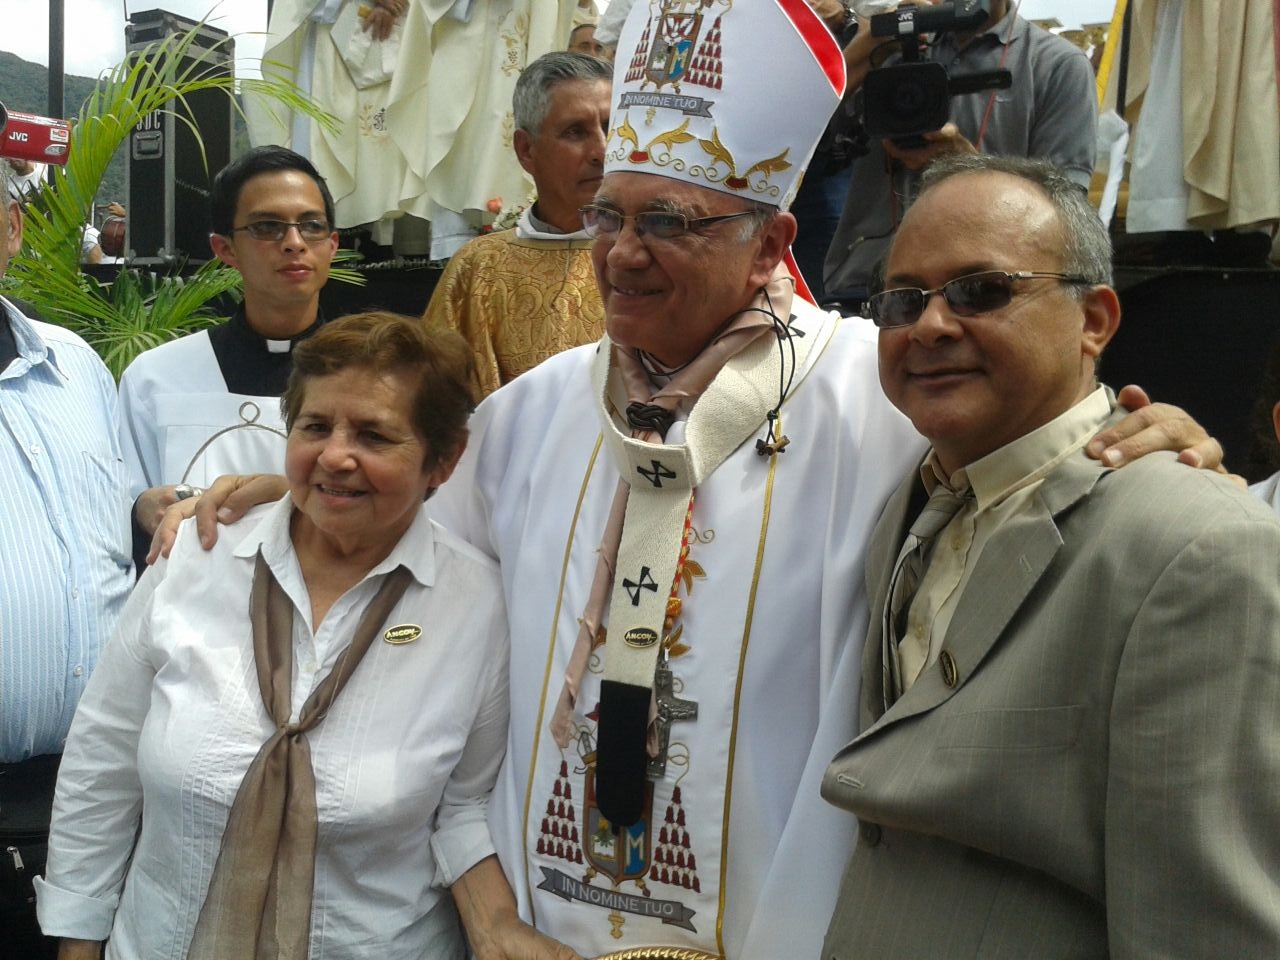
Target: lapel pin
pixel 402 634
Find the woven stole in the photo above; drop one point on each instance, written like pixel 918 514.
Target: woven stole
pixel 908 573
pixel 648 555
pixel 737 385
pixel 259 901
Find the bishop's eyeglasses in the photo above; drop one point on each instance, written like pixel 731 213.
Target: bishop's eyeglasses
pixel 606 222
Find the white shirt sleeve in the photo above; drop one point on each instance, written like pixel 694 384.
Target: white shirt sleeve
pixel 98 803
pixel 461 838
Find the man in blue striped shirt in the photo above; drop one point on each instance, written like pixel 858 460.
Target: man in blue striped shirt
pixel 65 569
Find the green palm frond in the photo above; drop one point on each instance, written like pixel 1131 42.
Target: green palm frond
pixel 137 310
pixel 149 309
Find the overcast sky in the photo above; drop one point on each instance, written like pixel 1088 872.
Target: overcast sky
pixel 95 28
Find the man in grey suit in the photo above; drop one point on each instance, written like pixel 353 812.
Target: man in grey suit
pixel 1070 703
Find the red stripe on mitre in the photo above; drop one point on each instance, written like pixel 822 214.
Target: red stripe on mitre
pixel 818 39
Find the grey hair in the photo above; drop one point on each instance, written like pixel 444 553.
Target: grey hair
pixel 532 98
pixel 761 213
pixel 1086 247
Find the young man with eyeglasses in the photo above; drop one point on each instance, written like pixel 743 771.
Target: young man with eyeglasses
pixel 1069 685
pixel 207 404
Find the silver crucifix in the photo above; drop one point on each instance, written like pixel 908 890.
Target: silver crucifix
pixel 670 709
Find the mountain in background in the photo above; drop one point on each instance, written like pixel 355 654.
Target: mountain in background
pixel 24 86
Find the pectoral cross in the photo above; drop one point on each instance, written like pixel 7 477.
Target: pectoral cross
pixel 670 709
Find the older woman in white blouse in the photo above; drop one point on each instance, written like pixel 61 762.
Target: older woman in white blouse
pixel 287 749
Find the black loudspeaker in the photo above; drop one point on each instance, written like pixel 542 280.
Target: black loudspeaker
pixel 169 177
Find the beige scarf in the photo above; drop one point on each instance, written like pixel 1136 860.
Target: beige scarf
pixel 259 901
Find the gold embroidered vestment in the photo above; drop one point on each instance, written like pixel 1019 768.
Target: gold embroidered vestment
pixel 518 301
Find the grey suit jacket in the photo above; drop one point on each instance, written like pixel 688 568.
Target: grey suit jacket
pixel 1092 767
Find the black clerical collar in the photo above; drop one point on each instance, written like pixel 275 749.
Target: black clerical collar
pixel 8 343
pixel 252 364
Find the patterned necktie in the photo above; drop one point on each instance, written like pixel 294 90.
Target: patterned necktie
pixel 943 504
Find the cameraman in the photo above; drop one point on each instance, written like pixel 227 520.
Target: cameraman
pixel 1050 111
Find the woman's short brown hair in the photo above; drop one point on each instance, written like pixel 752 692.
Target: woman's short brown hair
pixel 390 343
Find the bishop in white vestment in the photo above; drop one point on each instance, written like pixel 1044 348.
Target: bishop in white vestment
pixel 743 530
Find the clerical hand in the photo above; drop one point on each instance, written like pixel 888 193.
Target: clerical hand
pixel 1156 426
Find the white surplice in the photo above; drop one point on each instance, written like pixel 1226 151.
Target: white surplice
pixel 771 628
pixel 180 424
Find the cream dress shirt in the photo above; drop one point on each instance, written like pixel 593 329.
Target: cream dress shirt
pixel 172 718
pixel 1003 483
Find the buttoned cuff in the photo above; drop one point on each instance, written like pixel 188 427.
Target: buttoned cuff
pixel 460 842
pixel 63 913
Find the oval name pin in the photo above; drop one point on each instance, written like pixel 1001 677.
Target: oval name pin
pixel 402 633
pixel 640 637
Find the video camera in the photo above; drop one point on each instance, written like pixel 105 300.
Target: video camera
pixel 25 136
pixel 911 97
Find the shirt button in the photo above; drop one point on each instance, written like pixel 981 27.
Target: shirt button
pixel 78 672
pixel 956 542
pixel 75 591
pixel 870 833
pixel 918 632
pixel 35 449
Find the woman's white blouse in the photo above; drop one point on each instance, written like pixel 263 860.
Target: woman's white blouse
pixel 172 718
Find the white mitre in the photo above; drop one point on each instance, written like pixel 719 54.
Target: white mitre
pixel 732 95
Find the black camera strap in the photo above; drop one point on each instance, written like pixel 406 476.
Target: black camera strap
pixel 1122 82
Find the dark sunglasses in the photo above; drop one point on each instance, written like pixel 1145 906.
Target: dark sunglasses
pixel 967 296
pixel 606 222
pixel 312 231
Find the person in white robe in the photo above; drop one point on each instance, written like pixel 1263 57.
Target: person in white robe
pixel 424 113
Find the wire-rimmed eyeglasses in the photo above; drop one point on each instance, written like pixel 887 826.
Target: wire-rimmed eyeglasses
pixel 312 231
pixel 606 222
pixel 967 296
